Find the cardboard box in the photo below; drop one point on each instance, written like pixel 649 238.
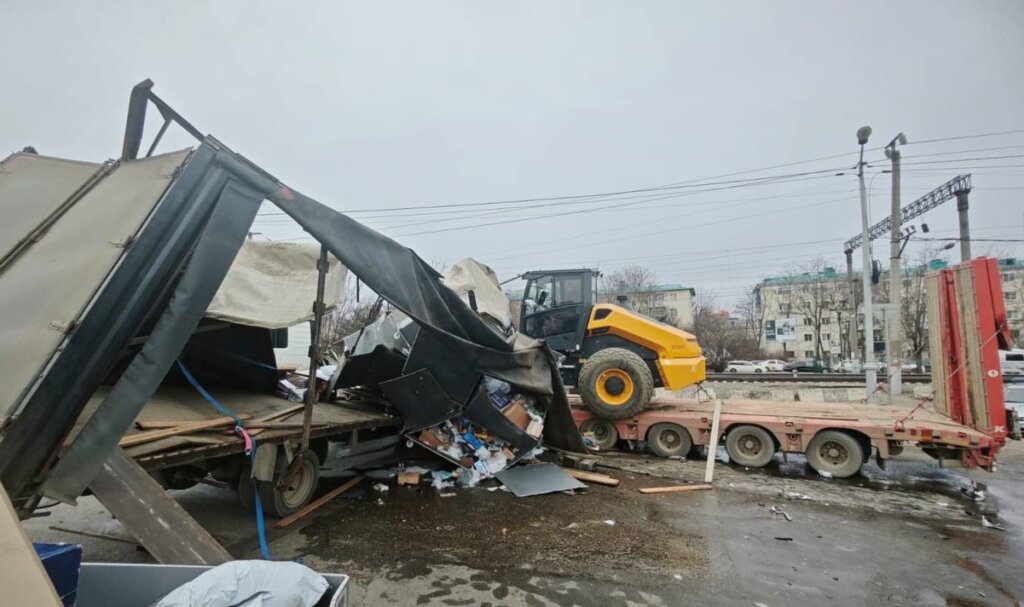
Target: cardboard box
pixel 535 429
pixel 431 440
pixel 516 413
pixel 408 478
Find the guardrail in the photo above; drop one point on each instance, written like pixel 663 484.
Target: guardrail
pixel 836 378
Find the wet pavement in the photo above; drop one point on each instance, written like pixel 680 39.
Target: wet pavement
pixel 909 535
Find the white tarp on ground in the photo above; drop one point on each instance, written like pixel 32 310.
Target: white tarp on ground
pixel 471 275
pixel 273 285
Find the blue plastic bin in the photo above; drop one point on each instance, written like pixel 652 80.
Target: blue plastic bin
pixel 62 563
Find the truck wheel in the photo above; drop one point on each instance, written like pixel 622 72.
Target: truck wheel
pixel 616 384
pixel 835 452
pixel 604 433
pixel 669 440
pixel 297 491
pixel 246 488
pixel 749 446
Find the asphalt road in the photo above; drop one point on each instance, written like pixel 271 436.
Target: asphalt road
pixel 909 535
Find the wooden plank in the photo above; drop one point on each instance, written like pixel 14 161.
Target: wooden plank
pixel 709 468
pixel 160 524
pixel 676 489
pixel 22 576
pixel 592 477
pixel 161 425
pixel 291 518
pixel 145 437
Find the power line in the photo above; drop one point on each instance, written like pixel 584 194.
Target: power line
pixel 628 204
pixel 961 137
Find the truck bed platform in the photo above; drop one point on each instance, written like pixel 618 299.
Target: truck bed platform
pixel 185 405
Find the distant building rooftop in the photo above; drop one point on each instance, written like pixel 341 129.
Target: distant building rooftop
pixel 671 286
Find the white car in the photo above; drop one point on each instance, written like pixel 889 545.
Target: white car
pixel 773 364
pixel 745 366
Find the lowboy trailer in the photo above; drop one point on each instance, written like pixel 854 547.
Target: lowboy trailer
pixel 965 423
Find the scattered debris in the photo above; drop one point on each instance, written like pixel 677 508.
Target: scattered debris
pixel 592 477
pixel 798 496
pixel 990 525
pixel 408 478
pixel 310 507
pixel 537 479
pixel 380 488
pixel 825 474
pixel 609 522
pixel 784 539
pixel 778 511
pixel 676 489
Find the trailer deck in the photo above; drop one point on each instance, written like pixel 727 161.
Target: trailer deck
pixel 878 429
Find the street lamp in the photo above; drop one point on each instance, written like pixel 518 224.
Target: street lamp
pixel 870 377
pixel 894 338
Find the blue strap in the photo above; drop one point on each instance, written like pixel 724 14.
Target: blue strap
pixel 239 427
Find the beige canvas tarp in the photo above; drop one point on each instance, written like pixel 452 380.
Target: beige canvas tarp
pixel 471 275
pixel 45 290
pixel 273 285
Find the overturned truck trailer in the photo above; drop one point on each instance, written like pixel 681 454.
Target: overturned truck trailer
pixel 108 270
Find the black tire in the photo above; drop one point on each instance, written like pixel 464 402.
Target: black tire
pixel 733 370
pixel 178 477
pixel 615 384
pixel 835 452
pixel 669 440
pixel 757 371
pixel 604 432
pixel 246 488
pixel 298 491
pixel 750 446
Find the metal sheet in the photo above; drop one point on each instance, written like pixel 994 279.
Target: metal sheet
pixel 539 479
pixel 39 299
pixel 32 187
pixel 420 400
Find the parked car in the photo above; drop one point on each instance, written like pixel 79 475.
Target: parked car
pixel 806 365
pixel 774 364
pixel 1012 361
pixel 745 366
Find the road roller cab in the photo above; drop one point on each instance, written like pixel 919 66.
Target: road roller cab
pixel 615 357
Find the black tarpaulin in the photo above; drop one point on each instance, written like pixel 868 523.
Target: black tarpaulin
pixel 398 275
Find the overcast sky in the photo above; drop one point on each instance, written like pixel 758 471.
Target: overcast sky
pixel 383 105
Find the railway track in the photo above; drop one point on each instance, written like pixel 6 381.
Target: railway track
pixel 818 378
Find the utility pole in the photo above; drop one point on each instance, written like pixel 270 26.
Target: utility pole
pixel 895 334
pixel 870 377
pixel 965 225
pixel 852 336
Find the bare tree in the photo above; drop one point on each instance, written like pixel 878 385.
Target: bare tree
pixel 753 309
pixel 818 297
pixel 913 308
pixel 637 283
pixel 349 316
pixel 719 337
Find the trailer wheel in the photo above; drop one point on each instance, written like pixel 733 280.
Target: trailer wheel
pixel 669 440
pixel 616 384
pixel 246 488
pixel 835 452
pixel 298 489
pixel 749 446
pixel 604 433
